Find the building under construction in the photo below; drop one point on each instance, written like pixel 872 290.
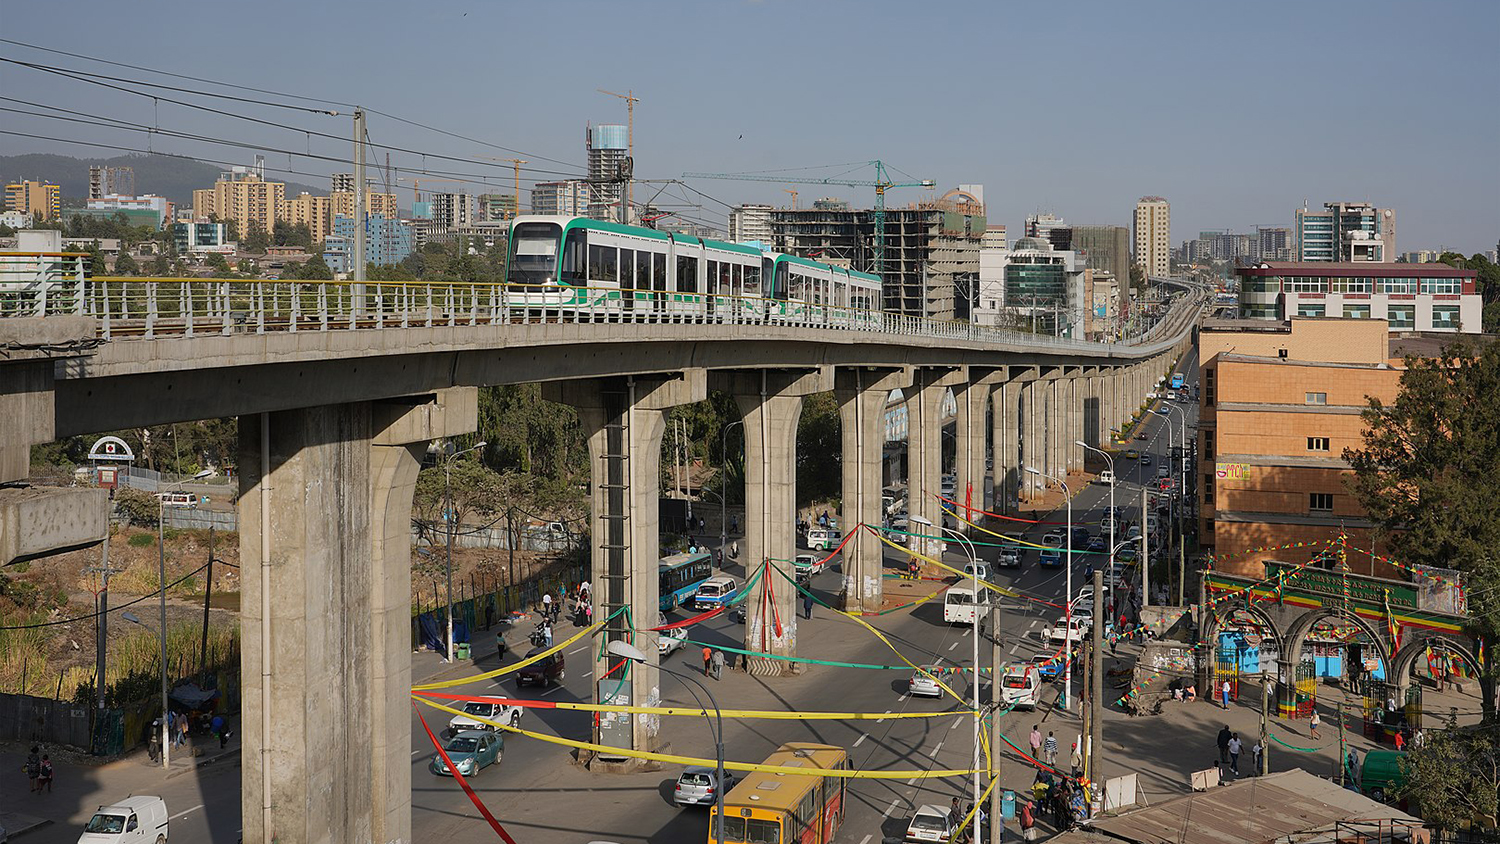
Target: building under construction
pixel 931 248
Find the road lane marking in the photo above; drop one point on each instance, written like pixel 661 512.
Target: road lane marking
pixel 901 699
pixel 188 812
pixel 866 839
pixel 938 749
pixel 578 650
pixel 952 646
pixel 890 808
pixel 861 740
pixel 1014 648
pixel 552 690
pixel 416 753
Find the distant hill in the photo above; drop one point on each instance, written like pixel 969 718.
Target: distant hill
pixel 171 176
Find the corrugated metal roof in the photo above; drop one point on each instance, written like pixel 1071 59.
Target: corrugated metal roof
pixel 1254 810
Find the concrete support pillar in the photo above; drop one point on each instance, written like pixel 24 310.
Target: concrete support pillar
pixel 1006 467
pixel 1073 419
pixel 924 439
pixel 1053 440
pixel 623 423
pixel 1032 393
pixel 862 395
pixel 327 614
pixel 771 405
pixel 971 433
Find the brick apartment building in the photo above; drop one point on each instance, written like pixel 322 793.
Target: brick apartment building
pixel 1279 404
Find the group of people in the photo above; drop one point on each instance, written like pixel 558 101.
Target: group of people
pixel 39 770
pixel 1066 799
pixel 713 662
pixel 956 814
pixel 1230 748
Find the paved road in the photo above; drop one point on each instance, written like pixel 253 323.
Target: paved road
pixel 542 797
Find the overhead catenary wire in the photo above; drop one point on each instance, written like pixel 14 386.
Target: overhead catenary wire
pixel 83 76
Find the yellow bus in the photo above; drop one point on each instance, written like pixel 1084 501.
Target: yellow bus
pixel 777 808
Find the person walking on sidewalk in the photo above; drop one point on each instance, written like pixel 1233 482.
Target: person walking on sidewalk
pixel 1313 722
pixel 1049 747
pixel 807 604
pixel 1075 760
pixel 718 663
pixel 1224 736
pixel 1224 693
pixel 220 728
pixel 1235 746
pixel 1036 742
pixel 708 658
pixel 45 779
pixel 1257 751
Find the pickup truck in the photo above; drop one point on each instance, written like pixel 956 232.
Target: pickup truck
pixel 502 713
pixel 1070 631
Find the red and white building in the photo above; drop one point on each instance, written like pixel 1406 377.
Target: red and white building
pixel 1410 297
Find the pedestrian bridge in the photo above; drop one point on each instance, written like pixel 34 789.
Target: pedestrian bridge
pixel 339 387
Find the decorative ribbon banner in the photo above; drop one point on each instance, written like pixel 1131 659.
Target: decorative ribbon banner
pixel 771 715
pixel 517 666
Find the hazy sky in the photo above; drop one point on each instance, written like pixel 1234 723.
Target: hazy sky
pixel 1235 112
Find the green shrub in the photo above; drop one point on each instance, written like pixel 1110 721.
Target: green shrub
pixel 141 540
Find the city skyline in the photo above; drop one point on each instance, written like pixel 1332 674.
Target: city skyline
pixel 1135 78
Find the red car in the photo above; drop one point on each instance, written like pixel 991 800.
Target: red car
pixel 1166 484
pixel 543 672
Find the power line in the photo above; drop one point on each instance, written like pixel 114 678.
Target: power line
pixel 116 607
pixel 268 92
pixel 81 76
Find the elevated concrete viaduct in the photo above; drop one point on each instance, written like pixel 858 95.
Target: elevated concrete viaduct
pixel 333 423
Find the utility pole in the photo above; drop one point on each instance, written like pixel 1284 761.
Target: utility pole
pixel 1145 554
pixel 358 258
pixel 208 591
pixel 1342 751
pixel 996 675
pixel 1096 710
pixel 1265 708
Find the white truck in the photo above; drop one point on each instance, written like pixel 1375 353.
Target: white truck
pixel 960 604
pixel 1019 685
pixel 489 710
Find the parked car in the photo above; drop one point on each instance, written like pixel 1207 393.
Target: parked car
pixel 1380 774
pixel 137 818
pixel 470 752
pixel 543 672
pixel 489 710
pixel 928 823
pixel 670 640
pixel 698 785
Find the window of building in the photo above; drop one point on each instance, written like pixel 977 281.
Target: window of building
pixel 1401 316
pixel 1320 502
pixel 1445 316
pixel 1208 444
pixel 1310 309
pixel 1317 443
pixel 1356 311
pixel 1315 398
pixel 1442 285
pixel 1398 285
pixel 1208 489
pixel 1208 387
pixel 1306 284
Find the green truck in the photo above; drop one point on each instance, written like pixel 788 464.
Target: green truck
pixel 1380 775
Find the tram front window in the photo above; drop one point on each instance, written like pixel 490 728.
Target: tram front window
pixel 533 254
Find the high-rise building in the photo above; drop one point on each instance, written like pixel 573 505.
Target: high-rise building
pixel 34 199
pixel 608 148
pixel 569 197
pixel 341 183
pixel 1346 232
pixel 149 210
pixel 450 211
pixel 244 196
pixel 495 206
pixel 315 212
pixel 201 237
pixel 1273 243
pixel 1046 288
pixel 110 181
pixel 1106 249
pixel 384 204
pixel 751 222
pixel 387 241
pixel 1153 235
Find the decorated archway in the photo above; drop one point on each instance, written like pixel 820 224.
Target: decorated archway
pixel 1330 643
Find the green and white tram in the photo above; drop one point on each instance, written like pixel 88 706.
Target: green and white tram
pixel 597 270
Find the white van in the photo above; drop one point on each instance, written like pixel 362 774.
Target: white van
pixel 134 819
pixel 823 539
pixel 1019 686
pixel 959 605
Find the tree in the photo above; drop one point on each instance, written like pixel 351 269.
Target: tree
pixel 163 266
pixel 1454 776
pixel 1137 276
pixel 819 450
pixel 257 239
pixel 314 269
pixel 529 435
pixel 126 265
pixel 284 233
pixel 1426 476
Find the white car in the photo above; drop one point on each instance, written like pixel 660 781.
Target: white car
pixel 1164 471
pixel 807 564
pixel 489 710
pixel 970 571
pixel 1071 631
pixel 923 683
pixel 928 823
pixel 1054 539
pixel 670 640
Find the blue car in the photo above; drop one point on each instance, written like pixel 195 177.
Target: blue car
pixel 1097 544
pixel 471 751
pixel 1051 557
pixel 1046 667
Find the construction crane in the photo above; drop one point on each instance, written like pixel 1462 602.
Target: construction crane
pixel 517 162
pixel 794 196
pixel 881 183
pixel 630 100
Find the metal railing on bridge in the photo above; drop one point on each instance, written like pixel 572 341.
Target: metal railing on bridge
pixel 128 308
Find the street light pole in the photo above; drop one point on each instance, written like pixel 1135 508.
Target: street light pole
pixel 1182 475
pixel 161 574
pixel 1067 693
pixel 1112 519
pixel 448 517
pixel 968 547
pixel 625 650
